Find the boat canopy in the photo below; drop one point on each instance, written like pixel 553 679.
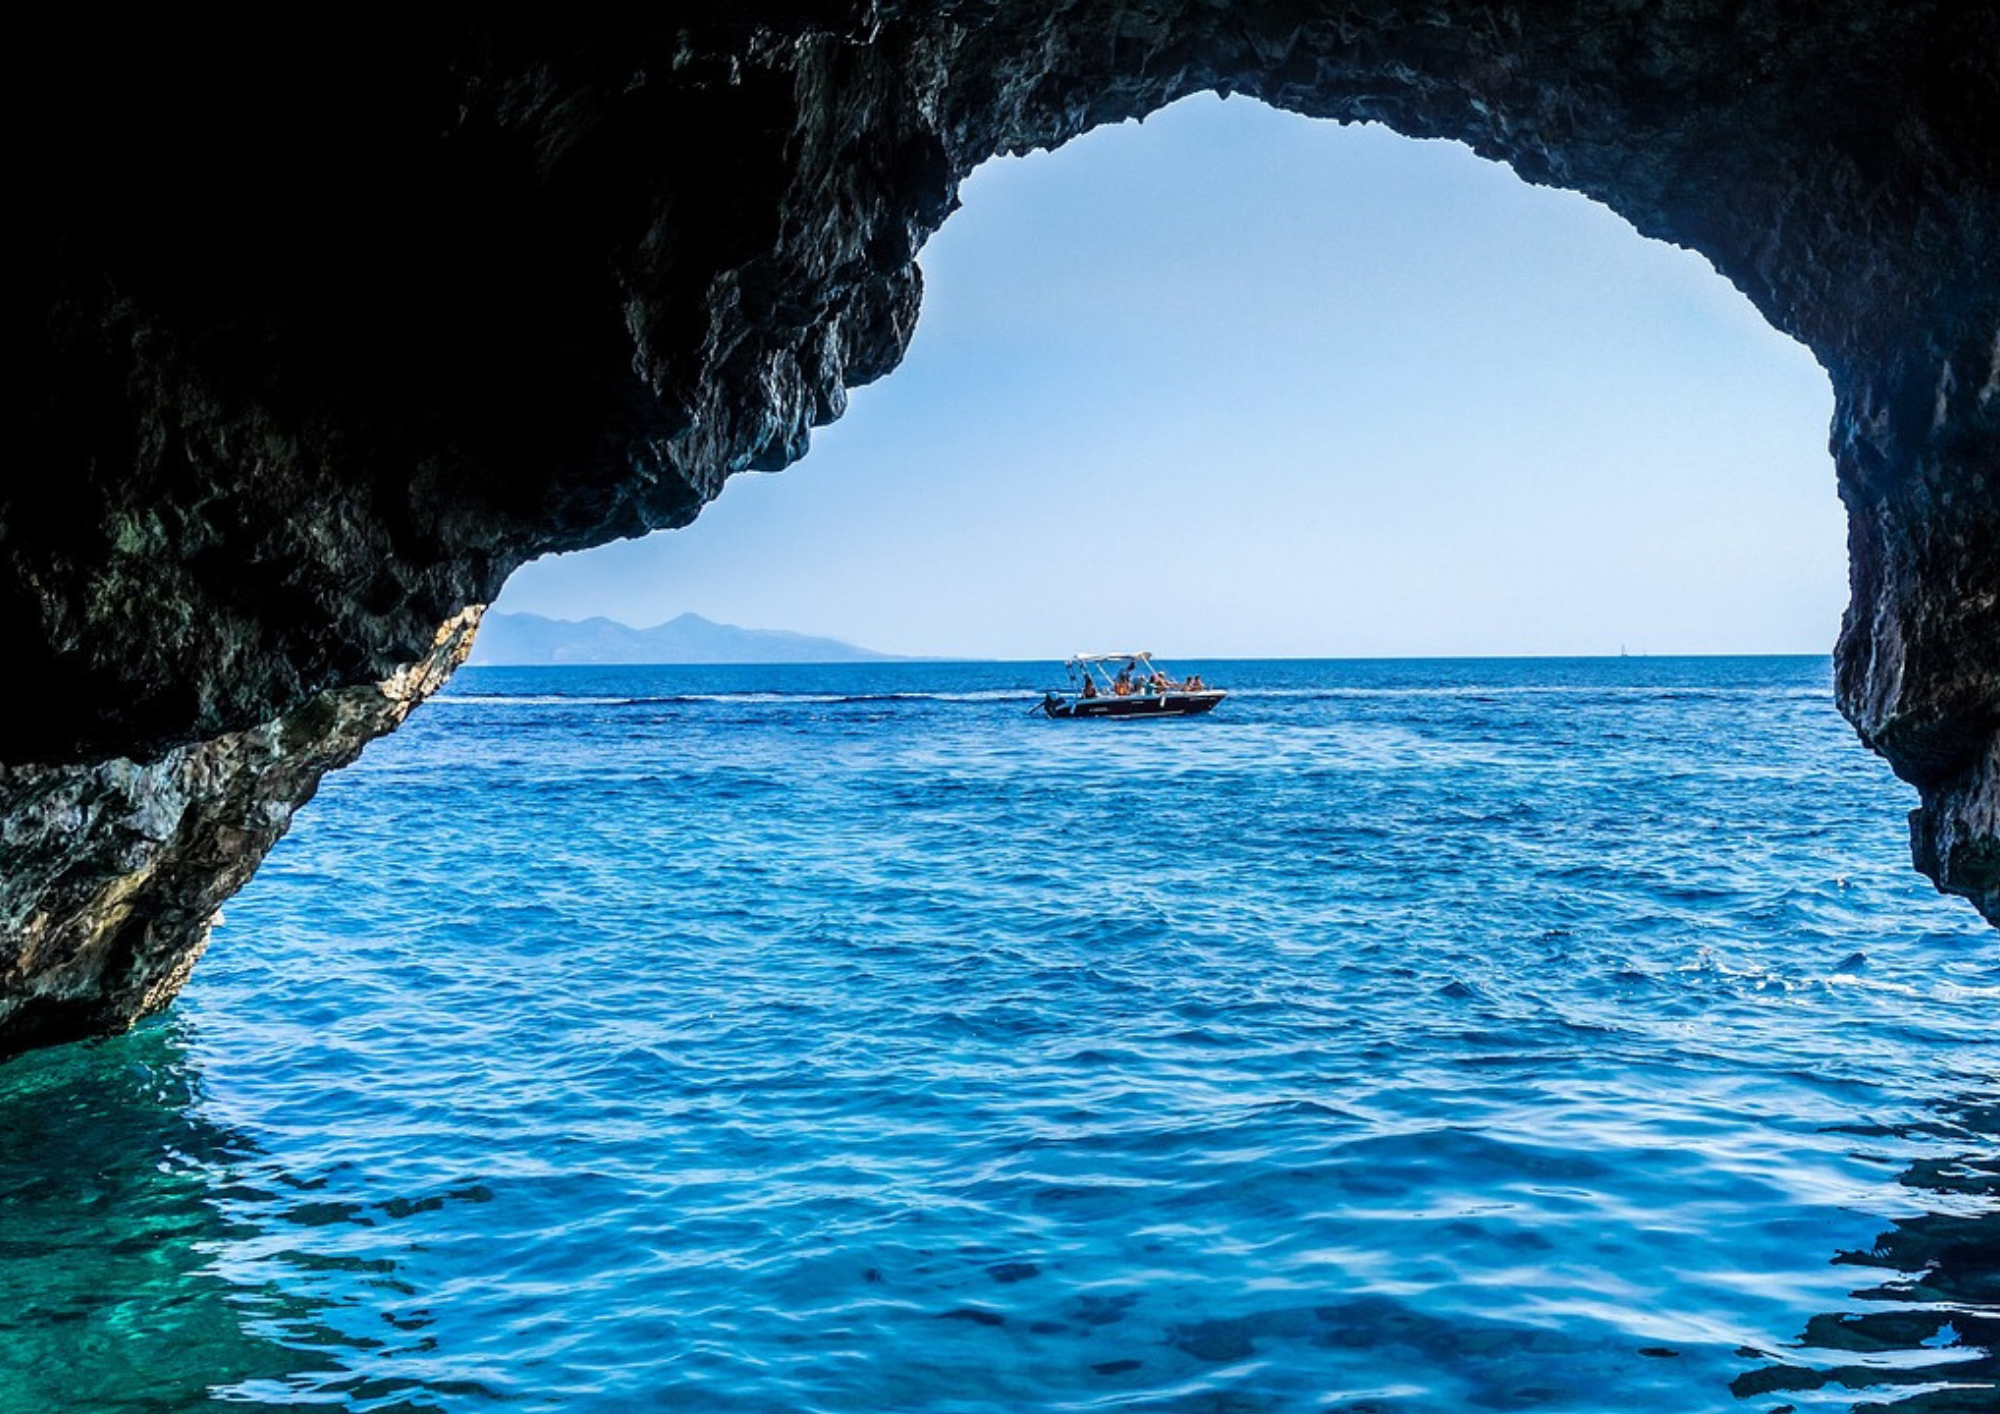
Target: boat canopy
pixel 1083 664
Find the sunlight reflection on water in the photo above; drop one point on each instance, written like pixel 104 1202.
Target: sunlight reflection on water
pixel 1357 1050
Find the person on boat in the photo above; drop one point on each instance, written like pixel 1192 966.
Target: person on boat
pixel 1121 686
pixel 1159 682
pixel 1194 683
pixel 1089 684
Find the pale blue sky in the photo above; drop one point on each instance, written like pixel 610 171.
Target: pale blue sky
pixel 1233 383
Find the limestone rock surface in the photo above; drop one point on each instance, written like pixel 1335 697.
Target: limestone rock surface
pixel 111 871
pixel 329 329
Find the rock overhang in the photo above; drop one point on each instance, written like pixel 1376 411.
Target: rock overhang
pixel 334 330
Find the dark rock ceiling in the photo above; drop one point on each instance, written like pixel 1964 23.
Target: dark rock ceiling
pixel 333 324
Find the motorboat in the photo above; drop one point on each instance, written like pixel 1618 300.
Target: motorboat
pixel 1127 685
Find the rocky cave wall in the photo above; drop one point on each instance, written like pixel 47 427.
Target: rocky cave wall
pixel 330 329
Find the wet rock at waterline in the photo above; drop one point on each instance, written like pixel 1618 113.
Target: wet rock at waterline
pixel 111 871
pixel 329 333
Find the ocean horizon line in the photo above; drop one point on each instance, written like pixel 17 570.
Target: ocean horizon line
pixel 885 660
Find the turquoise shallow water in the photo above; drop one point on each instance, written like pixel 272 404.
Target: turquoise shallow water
pixel 1563 1036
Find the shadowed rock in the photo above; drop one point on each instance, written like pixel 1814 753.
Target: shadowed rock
pixel 329 331
pixel 111 871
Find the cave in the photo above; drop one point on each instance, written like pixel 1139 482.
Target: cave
pixel 332 329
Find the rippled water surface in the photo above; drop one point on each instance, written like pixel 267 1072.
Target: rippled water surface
pixel 1406 1037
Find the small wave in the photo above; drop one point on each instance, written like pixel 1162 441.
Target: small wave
pixel 1479 691
pixel 738 699
pixel 501 699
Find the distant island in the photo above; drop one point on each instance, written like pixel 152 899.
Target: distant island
pixel 529 640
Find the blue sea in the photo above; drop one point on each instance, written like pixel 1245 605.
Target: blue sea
pixel 1405 1038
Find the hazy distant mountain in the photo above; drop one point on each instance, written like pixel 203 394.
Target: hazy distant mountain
pixel 531 640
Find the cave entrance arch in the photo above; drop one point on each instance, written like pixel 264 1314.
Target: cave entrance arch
pixel 330 337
